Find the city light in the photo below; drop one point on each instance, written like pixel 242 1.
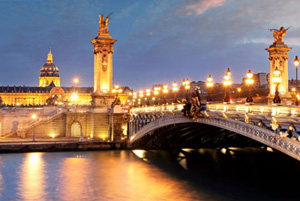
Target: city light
pixel 296 63
pixel 148 93
pixel 175 90
pixel 76 80
pixel 74 97
pixel 227 83
pixel 276 80
pixel 165 92
pixel 209 85
pixel 186 85
pixel 249 83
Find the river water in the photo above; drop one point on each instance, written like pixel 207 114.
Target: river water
pixel 204 174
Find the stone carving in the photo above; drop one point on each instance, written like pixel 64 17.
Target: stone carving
pixel 278 34
pixel 194 108
pixel 104 62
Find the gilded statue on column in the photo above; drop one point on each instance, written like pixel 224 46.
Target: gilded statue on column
pixel 103 24
pixel 278 34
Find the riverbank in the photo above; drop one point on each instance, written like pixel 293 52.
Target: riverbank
pixel 55 146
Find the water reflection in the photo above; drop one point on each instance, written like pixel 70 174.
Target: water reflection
pixel 204 174
pixel 1 177
pixel 32 178
pixel 74 178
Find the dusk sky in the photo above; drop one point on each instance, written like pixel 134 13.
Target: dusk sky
pixel 158 40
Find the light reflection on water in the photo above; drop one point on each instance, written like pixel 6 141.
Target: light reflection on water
pixel 32 177
pixel 104 175
pixel 138 175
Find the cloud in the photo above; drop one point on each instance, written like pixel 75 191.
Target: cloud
pixel 127 11
pixel 200 6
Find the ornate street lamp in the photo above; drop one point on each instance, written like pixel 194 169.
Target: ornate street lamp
pixel 276 81
pixel 209 86
pixel 148 93
pixel 175 89
pixel 33 116
pixel 75 81
pixel 141 95
pixel 227 83
pixel 249 82
pixel 186 85
pixel 239 90
pixel 165 92
pixel 116 90
pixel 134 97
pixel 296 63
pixel 156 94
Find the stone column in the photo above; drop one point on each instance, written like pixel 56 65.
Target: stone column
pixel 278 57
pixel 103 65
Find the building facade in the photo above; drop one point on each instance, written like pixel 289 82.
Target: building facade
pixel 49 91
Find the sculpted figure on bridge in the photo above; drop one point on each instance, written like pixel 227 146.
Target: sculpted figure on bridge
pixel 103 23
pixel 194 108
pixel 278 34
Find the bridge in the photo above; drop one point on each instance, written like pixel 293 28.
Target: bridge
pixel 219 126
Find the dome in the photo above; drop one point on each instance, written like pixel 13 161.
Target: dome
pixel 49 69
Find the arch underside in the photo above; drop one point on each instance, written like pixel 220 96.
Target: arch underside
pixel 192 135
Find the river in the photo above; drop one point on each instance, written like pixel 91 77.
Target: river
pixel 203 174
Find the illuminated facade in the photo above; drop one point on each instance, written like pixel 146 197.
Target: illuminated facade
pixel 103 65
pixel 49 73
pixel 49 91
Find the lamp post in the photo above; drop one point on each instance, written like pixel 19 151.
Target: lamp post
pixel 296 63
pixel 148 93
pixel 156 94
pixel 249 82
pixel 33 116
pixel 186 85
pixel 141 95
pixel 116 90
pixel 227 83
pixel 209 85
pixel 134 97
pixel 165 92
pixel 276 81
pixel 175 89
pixel 239 90
pixel 75 81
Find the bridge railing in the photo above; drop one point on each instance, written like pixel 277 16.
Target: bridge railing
pixel 270 110
pixel 157 108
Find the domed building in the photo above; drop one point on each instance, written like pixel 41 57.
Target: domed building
pixel 49 91
pixel 49 73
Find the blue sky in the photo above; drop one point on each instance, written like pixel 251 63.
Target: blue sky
pixel 158 41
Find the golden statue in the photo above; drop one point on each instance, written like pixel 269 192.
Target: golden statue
pixel 278 34
pixel 103 24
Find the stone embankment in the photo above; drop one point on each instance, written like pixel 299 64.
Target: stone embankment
pixel 17 147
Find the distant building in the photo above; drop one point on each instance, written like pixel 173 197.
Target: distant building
pixel 49 91
pixel 260 80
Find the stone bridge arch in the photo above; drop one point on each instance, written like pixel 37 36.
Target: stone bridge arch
pixel 262 135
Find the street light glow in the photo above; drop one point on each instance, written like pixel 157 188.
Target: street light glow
pixel 296 62
pixel 33 116
pixel 76 80
pixel 74 96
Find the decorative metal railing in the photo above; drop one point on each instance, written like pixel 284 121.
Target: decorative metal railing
pixel 264 135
